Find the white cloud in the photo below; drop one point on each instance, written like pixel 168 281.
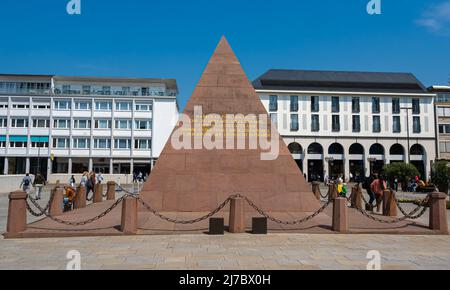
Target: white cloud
pixel 436 18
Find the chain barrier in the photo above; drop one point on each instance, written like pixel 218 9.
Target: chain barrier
pixel 82 223
pixel 278 221
pixel 185 222
pixel 412 215
pixel 133 193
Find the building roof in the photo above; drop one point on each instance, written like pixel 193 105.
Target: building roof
pixel 439 89
pixel 339 81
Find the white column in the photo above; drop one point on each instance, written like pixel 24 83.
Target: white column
pixel 347 168
pixel 69 166
pixel 5 170
pixel 49 168
pixel 131 166
pixel 111 166
pixel 366 166
pixel 91 165
pixel 27 165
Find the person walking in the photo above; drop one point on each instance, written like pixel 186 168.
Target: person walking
pixel 367 186
pixel 72 181
pixel 39 183
pixel 26 183
pixel 378 187
pixel 100 178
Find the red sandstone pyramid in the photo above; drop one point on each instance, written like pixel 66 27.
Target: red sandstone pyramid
pixel 199 180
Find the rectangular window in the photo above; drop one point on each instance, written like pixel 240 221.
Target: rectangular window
pixel 122 143
pixel 102 124
pixel 315 125
pixel 356 105
pixel 396 106
pixel 61 123
pixel 375 105
pixel 21 106
pixel 416 125
pixel 39 144
pixel 314 104
pixel 397 128
pixel 356 123
pixel 416 106
pixel 19 123
pixel 41 123
pixel 123 106
pixel 143 125
pixel 41 106
pixel 446 129
pixel 336 124
pixel 2 144
pixel 123 124
pixel 82 124
pixel 103 106
pixel 294 103
pixel 3 106
pixel 107 90
pixel 144 107
pixel 102 143
pixel 62 105
pixel 61 143
pixel 86 90
pixel 273 103
pixel 3 122
pixel 142 144
pixel 335 108
pixel 18 144
pixel 66 89
pixel 81 143
pixel 82 105
pixel 294 122
pixel 376 125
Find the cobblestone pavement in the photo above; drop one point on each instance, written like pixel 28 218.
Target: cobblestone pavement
pixel 229 252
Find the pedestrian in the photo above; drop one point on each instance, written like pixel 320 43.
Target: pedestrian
pixel 100 178
pixel 84 179
pixel 378 187
pixel 72 181
pixel 366 185
pixel 26 183
pixel 395 183
pixel 39 183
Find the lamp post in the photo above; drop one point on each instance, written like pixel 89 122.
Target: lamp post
pixel 407 130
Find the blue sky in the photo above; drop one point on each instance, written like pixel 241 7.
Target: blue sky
pixel 174 39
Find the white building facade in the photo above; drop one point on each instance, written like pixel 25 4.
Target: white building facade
pixel 351 123
pixel 60 126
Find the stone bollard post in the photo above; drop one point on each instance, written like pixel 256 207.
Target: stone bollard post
pixel 237 223
pixel 129 222
pixel 438 212
pixel 340 215
pixel 80 198
pixel 332 192
pixel 316 189
pixel 17 212
pixel 111 190
pixel 57 204
pixel 98 193
pixel 389 204
pixel 356 197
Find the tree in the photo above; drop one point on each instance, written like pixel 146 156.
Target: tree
pixel 440 175
pixel 404 172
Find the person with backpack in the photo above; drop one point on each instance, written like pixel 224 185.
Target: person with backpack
pixel 100 178
pixel 72 181
pixel 39 183
pixel 26 183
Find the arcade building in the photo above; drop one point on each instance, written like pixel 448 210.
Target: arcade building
pixel 351 123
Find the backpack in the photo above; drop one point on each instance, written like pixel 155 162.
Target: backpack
pixel 26 182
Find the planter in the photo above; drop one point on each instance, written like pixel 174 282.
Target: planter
pixel 443 188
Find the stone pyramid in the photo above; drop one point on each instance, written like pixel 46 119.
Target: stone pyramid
pixel 195 180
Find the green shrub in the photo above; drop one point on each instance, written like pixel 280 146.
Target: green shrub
pixel 403 171
pixel 440 175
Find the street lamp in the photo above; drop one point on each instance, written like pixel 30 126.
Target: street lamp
pixel 407 130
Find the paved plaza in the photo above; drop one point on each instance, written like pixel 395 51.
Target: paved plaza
pixel 242 251
pixel 230 252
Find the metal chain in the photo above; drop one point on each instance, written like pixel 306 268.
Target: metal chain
pixel 91 220
pixel 32 212
pixel 278 221
pixel 127 191
pixel 185 222
pixel 423 203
